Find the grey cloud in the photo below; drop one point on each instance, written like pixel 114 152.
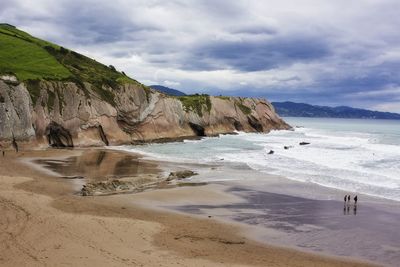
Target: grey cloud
pixel 259 55
pixel 254 29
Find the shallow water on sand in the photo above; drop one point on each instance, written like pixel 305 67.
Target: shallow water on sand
pixel 99 165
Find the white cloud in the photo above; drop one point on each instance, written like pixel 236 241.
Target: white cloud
pixel 171 83
pixel 389 107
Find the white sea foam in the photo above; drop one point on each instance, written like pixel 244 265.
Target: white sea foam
pixel 351 159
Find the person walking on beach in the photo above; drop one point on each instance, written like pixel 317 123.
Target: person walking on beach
pixel 14 144
pixel 345 199
pixel 355 200
pixel 348 199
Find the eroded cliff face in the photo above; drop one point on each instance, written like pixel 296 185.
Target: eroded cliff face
pixel 37 113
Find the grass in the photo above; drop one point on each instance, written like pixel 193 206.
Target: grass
pixel 31 59
pixel 245 109
pixel 196 103
pixel 27 60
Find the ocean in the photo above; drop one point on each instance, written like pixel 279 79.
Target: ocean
pixel 357 155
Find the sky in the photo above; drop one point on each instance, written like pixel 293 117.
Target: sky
pixel 336 52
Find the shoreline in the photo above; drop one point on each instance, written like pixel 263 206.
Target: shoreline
pixel 355 236
pixel 171 237
pixel 298 215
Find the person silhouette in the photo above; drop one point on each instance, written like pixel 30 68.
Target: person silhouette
pixel 355 200
pixel 348 199
pixel 14 143
pixel 345 199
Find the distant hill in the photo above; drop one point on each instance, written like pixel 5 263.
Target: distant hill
pixel 291 109
pixel 167 90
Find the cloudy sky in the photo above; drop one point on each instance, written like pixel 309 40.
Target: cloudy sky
pixel 336 52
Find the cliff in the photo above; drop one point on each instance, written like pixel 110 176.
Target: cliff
pixel 50 95
pixel 139 114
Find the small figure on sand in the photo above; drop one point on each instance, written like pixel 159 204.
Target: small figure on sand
pixel 14 144
pixel 347 205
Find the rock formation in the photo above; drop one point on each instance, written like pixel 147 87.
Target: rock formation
pixel 67 115
pixel 58 136
pixel 179 175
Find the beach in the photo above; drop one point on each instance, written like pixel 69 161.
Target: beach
pixel 46 222
pixel 199 133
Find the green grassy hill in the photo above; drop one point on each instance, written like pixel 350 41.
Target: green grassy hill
pixel 31 59
pixel 26 57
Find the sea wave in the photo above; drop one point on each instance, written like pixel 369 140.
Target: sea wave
pixel 352 161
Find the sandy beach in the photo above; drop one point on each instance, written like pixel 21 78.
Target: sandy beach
pixel 45 222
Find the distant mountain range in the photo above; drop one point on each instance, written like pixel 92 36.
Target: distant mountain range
pixel 167 90
pixel 291 109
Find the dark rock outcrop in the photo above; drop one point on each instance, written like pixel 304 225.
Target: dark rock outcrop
pixel 238 126
pixel 178 175
pixel 304 143
pixel 58 136
pixel 256 124
pixel 14 144
pixel 103 135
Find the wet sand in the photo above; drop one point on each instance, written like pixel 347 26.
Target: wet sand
pixel 44 222
pixel 362 231
pixel 302 215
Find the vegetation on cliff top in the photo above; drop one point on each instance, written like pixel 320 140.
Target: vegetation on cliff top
pixel 245 109
pixel 196 103
pixel 30 58
pixel 23 56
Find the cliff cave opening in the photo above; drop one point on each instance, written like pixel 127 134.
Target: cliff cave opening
pixel 197 129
